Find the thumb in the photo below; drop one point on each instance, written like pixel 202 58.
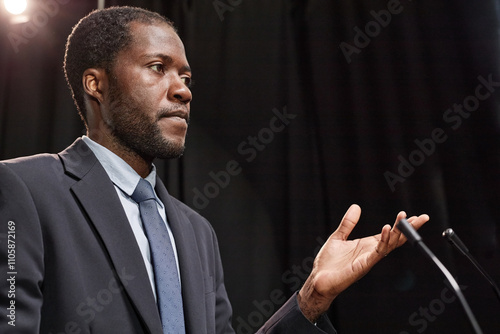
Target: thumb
pixel 347 223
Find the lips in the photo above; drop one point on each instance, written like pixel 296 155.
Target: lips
pixel 182 114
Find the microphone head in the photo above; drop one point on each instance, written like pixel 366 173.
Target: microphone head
pixel 448 233
pixel 453 239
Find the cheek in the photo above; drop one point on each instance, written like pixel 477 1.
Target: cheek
pixel 149 100
pixel 141 85
pixel 139 96
pixel 142 94
pixel 143 104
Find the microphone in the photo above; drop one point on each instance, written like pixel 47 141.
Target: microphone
pixel 453 238
pixel 414 238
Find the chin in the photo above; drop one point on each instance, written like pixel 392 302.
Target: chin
pixel 171 151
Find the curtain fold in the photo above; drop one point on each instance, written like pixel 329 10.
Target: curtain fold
pixel 301 108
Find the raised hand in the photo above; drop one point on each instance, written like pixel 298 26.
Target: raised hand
pixel 341 262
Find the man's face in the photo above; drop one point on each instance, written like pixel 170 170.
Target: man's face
pixel 149 93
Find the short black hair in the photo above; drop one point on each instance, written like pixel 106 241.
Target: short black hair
pixel 96 40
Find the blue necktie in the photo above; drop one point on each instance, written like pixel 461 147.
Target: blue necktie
pixel 168 288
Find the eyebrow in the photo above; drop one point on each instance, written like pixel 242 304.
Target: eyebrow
pixel 166 59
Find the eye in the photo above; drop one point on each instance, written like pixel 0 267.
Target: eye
pixel 157 68
pixel 187 81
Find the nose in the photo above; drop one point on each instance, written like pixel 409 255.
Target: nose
pixel 179 92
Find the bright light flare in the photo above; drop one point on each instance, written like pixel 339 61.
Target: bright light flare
pixel 15 7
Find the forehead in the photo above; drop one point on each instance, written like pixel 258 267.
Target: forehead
pixel 159 38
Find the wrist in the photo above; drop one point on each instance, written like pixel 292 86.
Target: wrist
pixel 312 303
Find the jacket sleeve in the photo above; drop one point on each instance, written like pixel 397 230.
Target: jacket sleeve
pixel 223 310
pixel 21 256
pixel 290 319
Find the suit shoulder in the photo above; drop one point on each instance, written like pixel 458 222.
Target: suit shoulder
pixel 30 162
pixel 194 217
pixel 30 165
pixel 190 213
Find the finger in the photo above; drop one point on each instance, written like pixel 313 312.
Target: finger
pixel 397 237
pixel 383 246
pixel 416 223
pixel 347 223
pixel 400 216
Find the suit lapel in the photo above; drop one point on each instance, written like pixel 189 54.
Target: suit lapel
pixel 192 276
pixel 98 197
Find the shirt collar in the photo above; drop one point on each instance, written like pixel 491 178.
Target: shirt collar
pixel 121 174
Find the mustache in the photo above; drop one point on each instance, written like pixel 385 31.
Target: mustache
pixel 177 110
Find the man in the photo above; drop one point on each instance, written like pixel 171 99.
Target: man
pixel 80 255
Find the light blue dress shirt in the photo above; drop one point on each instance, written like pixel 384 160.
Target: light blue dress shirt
pixel 125 179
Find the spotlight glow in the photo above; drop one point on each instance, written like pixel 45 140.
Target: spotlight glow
pixel 15 7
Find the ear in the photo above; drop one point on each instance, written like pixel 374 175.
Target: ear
pixel 95 83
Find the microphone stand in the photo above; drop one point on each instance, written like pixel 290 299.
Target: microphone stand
pixel 411 234
pixel 453 238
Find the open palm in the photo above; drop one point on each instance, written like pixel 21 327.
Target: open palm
pixel 341 262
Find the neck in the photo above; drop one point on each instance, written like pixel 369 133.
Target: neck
pixel 141 165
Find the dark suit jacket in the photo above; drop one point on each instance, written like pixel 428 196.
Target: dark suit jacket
pixel 77 267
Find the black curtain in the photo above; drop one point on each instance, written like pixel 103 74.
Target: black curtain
pixel 300 109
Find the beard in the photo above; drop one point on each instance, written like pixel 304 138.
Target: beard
pixel 137 130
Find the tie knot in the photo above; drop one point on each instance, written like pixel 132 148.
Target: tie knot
pixel 143 191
